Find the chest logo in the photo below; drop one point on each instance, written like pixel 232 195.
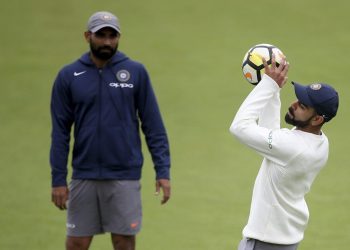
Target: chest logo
pixel 79 73
pixel 123 75
pixel 121 85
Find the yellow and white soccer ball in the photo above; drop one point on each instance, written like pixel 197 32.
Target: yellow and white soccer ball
pixel 252 65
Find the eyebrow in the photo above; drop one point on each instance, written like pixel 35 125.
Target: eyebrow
pixel 307 106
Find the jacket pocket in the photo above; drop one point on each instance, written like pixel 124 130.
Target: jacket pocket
pixel 119 146
pixel 85 153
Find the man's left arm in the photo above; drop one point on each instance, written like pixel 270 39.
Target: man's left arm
pixel 155 133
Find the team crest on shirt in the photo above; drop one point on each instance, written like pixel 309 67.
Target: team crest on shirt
pixel 315 86
pixel 123 75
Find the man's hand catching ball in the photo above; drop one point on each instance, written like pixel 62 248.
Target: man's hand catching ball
pixel 277 73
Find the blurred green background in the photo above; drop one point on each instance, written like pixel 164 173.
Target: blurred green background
pixel 193 50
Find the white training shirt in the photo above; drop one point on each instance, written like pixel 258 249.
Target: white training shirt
pixel 292 159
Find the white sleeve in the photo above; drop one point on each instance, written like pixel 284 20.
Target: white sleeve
pixel 270 116
pixel 256 123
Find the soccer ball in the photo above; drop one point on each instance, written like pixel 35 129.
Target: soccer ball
pixel 252 65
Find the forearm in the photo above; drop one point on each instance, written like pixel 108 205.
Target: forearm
pixel 271 115
pixel 158 146
pixel 58 160
pixel 254 106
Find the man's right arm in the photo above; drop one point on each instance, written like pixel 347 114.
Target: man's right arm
pixel 62 119
pixel 263 136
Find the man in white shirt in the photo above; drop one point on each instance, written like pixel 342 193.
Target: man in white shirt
pixel 292 157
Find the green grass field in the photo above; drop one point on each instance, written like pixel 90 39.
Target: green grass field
pixel 193 51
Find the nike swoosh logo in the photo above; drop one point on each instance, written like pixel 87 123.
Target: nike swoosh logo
pixel 79 73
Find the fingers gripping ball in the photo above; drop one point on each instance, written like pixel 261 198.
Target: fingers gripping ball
pixel 252 65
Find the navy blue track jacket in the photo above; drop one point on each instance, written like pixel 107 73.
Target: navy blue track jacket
pixel 105 105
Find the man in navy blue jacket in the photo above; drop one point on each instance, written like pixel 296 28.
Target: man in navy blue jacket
pixel 107 97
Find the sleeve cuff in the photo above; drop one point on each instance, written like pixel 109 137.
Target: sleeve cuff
pixel 162 172
pixel 271 82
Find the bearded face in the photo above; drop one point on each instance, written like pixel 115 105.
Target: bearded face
pixel 104 43
pixel 292 120
pixel 103 52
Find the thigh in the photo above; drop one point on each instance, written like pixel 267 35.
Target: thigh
pixel 83 217
pixel 260 245
pixel 120 206
pixel 246 244
pixel 253 244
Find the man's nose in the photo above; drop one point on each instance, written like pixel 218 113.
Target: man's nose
pixel 107 41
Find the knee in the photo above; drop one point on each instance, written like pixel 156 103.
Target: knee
pixel 123 241
pixel 78 243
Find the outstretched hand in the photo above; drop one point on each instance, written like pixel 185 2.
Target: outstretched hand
pixel 277 73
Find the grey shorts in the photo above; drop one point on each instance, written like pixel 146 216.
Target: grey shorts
pixel 252 244
pixel 96 207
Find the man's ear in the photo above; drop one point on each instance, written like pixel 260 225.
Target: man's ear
pixel 317 120
pixel 87 35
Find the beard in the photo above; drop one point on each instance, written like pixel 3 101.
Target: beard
pixel 290 119
pixel 104 52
